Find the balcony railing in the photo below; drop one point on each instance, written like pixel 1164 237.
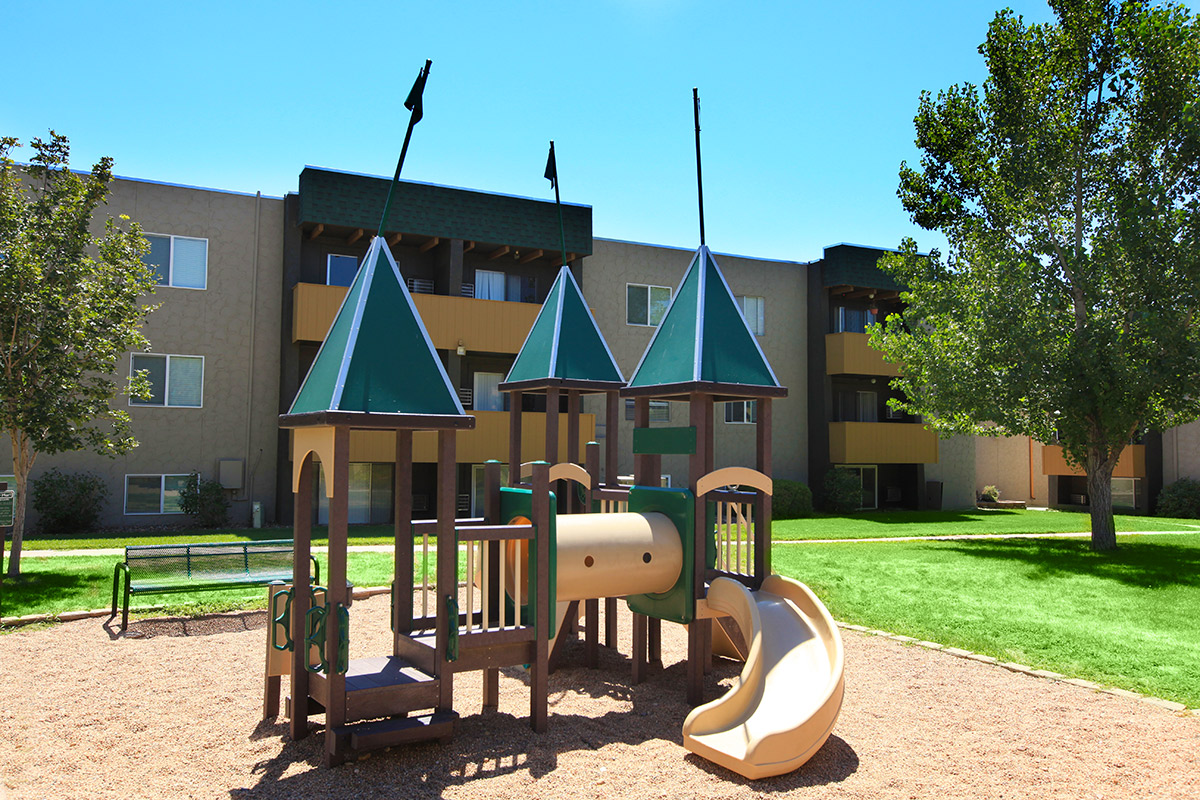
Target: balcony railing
pixel 492 326
pixel 882 443
pixel 851 354
pixel 1132 463
pixel 489 439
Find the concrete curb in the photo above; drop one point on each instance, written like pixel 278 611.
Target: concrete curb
pixel 1169 705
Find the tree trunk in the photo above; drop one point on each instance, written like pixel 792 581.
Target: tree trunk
pixel 1099 480
pixel 22 464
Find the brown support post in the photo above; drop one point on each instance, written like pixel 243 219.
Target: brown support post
pixel 447 564
pixel 700 416
pixel 591 463
pixel 539 670
pixel 514 438
pixel 762 505
pixel 612 438
pixel 592 609
pixel 710 452
pixel 643 473
pixel 301 596
pixel 573 504
pixel 491 513
pixel 552 425
pixel 339 516
pixel 402 580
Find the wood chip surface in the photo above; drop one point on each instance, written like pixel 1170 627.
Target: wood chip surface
pixel 174 712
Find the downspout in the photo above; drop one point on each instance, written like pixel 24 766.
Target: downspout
pixel 248 492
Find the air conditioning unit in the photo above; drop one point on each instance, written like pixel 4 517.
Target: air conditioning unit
pixel 1079 499
pixel 466 397
pixel 420 285
pixel 468 290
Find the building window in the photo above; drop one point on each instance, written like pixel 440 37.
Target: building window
pixel 340 270
pixel 660 410
pixel 488 396
pixel 153 494
pixel 754 309
pixel 1124 493
pixel 492 285
pixel 742 411
pixel 646 305
pixel 847 319
pixel 371 490
pixel 868 480
pixel 174 380
pixel 179 261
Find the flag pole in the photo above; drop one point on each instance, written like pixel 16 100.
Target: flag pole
pixel 552 176
pixel 413 103
pixel 699 176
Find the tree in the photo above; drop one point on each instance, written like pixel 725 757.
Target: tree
pixel 70 308
pixel 1068 189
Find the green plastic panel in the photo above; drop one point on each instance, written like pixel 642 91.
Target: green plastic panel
pixel 519 503
pixel 677 604
pixel 664 441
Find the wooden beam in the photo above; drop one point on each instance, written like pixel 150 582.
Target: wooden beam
pixel 530 256
pixel 840 289
pixel 859 294
pixel 429 244
pixel 394 239
pixel 468 247
pixel 317 231
pixel 354 237
pixel 502 250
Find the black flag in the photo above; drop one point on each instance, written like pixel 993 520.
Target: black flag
pixel 413 101
pixel 552 168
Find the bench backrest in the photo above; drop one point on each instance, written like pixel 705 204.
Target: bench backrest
pixel 210 561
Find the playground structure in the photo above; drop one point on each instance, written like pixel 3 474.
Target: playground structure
pixel 695 556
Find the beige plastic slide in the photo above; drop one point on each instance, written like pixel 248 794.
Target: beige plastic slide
pixel 783 706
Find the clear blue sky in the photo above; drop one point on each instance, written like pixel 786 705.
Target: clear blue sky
pixel 807 107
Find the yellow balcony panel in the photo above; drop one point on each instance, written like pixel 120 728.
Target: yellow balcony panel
pixel 882 443
pixel 1132 463
pixel 488 440
pixel 492 326
pixel 851 354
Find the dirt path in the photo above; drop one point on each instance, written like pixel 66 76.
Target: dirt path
pixel 176 714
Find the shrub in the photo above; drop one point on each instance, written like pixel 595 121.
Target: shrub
pixel 843 491
pixel 204 501
pixel 792 499
pixel 1180 499
pixel 990 494
pixel 68 502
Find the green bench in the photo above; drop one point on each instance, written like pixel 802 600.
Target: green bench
pixel 167 568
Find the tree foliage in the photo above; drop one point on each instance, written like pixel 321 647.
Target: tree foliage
pixel 70 308
pixel 1068 188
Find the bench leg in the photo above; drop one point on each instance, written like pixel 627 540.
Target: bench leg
pixel 125 608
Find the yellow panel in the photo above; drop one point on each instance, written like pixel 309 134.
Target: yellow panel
pixel 489 439
pixel 1132 463
pixel 490 326
pixel 851 354
pixel 882 443
pixel 314 305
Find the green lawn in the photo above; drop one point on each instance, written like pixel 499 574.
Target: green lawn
pixel 1129 619
pixel 359 534
pixel 54 584
pixel 881 524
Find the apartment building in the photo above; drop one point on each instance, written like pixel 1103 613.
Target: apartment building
pixel 214 355
pixel 250 285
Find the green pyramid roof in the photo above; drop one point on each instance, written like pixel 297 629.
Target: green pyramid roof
pixel 377 356
pixel 564 346
pixel 703 339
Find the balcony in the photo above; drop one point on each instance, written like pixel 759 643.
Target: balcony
pixel 493 326
pixel 489 439
pixel 850 354
pixel 1132 463
pixel 882 443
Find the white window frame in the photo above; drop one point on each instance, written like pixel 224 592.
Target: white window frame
pixel 757 325
pixel 746 414
pixel 648 287
pixel 162 478
pixel 167 381
pixel 860 468
pixel 329 262
pixel 171 260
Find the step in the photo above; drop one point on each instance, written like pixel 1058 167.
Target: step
pixel 401 730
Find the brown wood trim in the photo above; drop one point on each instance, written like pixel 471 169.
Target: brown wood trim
pixel 532 255
pixel 489 638
pixel 611 493
pixel 361 420
pixel 494 533
pixel 402 587
pixel 514 438
pixel 542 384
pixel 302 548
pixel 429 244
pixel 354 236
pixel 502 250
pixel 388 700
pixel 317 230
pixel 417 652
pixel 499 655
pixel 394 239
pixel 720 392
pixel 447 559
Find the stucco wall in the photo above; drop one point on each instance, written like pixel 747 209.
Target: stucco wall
pixel 234 323
pixel 1008 463
pixel 613 264
pixel 1181 453
pixel 955 468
